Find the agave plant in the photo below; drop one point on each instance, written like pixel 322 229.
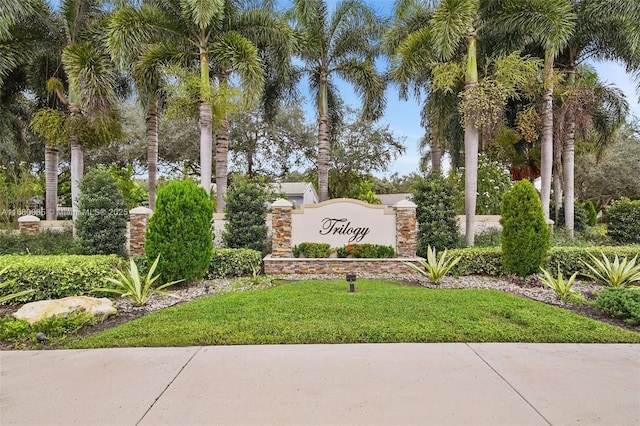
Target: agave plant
pixel 617 274
pixel 562 288
pixel 132 285
pixel 8 297
pixel 434 268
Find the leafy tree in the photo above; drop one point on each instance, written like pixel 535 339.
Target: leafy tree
pixel 101 226
pixel 526 237
pixel 435 199
pixel 395 184
pixel 246 212
pixel 345 45
pixel 179 232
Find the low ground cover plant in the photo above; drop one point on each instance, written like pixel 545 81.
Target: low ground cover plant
pixel 623 303
pixel 54 329
pixel 313 250
pixel 54 277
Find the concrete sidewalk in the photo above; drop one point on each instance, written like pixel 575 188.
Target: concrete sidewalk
pixel 390 384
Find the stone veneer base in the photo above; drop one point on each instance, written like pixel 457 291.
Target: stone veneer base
pixel 368 267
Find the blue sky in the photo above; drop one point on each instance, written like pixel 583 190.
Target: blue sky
pixel 403 117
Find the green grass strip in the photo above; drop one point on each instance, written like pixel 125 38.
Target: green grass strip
pixel 378 312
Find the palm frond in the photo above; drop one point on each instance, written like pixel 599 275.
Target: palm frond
pixel 451 22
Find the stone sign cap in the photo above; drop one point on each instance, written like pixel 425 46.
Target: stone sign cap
pixel 28 218
pixel 281 202
pixel 404 204
pixel 141 210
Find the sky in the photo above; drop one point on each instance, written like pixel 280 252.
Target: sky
pixel 403 117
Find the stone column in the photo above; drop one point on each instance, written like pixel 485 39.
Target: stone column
pixel 281 229
pixel 406 229
pixel 138 219
pixel 29 225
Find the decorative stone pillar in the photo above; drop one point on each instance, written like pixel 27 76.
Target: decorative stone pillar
pixel 29 224
pixel 138 219
pixel 406 229
pixel 281 229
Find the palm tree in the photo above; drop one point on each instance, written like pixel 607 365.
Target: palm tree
pixel 341 44
pixel 198 34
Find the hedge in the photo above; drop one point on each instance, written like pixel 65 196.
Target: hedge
pixel 53 277
pixel 227 263
pixel 488 260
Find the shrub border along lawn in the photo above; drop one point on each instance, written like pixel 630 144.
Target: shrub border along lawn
pixel 380 311
pixel 488 260
pixel 54 277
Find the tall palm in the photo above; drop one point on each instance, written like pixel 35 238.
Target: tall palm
pixel 195 35
pixel 548 24
pixel 342 44
pixel 605 29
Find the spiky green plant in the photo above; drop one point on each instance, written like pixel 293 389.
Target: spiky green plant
pixel 616 274
pixel 132 285
pixel 7 297
pixel 434 268
pixel 559 285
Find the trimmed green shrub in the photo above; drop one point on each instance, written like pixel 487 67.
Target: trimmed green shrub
pixel 623 221
pixel 312 250
pixel 592 214
pixel 623 303
pixel 246 212
pixel 101 227
pixel 526 237
pixel 365 251
pixel 227 263
pixel 53 277
pixel 43 243
pixel 435 199
pixel 477 261
pixel 180 233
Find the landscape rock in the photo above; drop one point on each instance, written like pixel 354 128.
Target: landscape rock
pixel 35 311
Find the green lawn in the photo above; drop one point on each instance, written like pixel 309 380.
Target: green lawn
pixel 379 311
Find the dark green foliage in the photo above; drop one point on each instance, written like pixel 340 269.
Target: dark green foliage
pixel 491 237
pixel 623 303
pixel 312 250
pixel 366 251
pixel 526 237
pixel 592 214
pixel 435 199
pixel 580 216
pixel 53 277
pixel 623 218
pixel 46 242
pixel 477 261
pixel 246 213
pixel 227 263
pixel 179 232
pixel 56 328
pixel 101 227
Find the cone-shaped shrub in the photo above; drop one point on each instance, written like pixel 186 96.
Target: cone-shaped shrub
pixel 101 227
pixel 180 232
pixel 435 198
pixel 526 238
pixel 246 212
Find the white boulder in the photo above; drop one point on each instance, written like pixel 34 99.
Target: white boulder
pixel 36 311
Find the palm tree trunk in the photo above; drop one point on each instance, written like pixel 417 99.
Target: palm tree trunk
pixel 77 171
pixel 323 142
pixel 568 160
pixel 558 180
pixel 546 160
pixel 152 150
pixel 471 138
pixel 206 128
pixel 222 154
pixel 51 185
pixel 436 155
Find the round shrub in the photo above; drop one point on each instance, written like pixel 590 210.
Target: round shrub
pixel 623 221
pixel 435 199
pixel 179 232
pixel 623 303
pixel 246 212
pixel 526 238
pixel 101 227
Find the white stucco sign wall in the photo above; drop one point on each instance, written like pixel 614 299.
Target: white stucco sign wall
pixel 343 221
